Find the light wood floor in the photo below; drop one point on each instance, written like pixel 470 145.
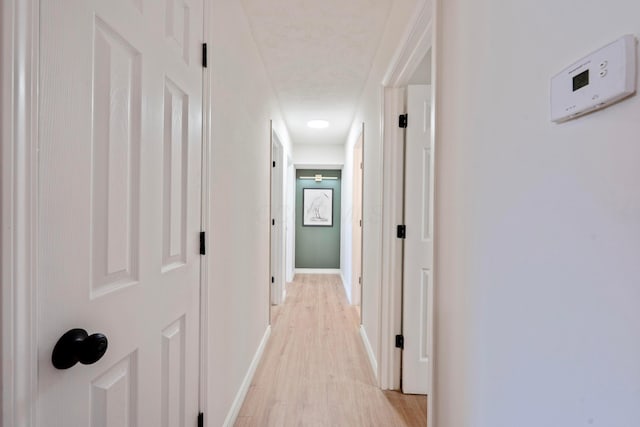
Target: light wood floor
pixel 315 371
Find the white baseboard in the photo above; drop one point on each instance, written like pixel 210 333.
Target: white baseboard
pixel 372 356
pixel 318 271
pixel 244 388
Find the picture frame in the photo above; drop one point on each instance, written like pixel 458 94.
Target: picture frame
pixel 317 207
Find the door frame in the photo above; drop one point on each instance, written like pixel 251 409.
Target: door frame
pixel 19 145
pixel 412 49
pixel 19 149
pixel 277 291
pixel 205 202
pixel 358 170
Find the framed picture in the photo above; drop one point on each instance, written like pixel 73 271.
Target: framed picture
pixel 317 207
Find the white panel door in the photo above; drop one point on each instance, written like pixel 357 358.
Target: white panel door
pixel 277 221
pixel 119 198
pixel 356 224
pixel 418 246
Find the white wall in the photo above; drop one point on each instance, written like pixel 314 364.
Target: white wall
pixel 538 224
pixel 314 155
pixel 238 258
pixel 370 112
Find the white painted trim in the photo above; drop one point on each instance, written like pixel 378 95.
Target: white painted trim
pixel 391 307
pixel 246 383
pixel 415 44
pixel 318 271
pixel 18 233
pixel 277 236
pixel 435 95
pixel 206 197
pixel 367 346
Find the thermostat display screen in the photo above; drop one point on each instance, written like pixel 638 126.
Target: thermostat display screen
pixel 581 80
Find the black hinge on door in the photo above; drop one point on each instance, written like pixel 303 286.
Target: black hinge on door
pixel 360 280
pixel 203 250
pixel 403 120
pixel 360 223
pixel 402 232
pixel 273 279
pixel 200 419
pixel 204 55
pixel 400 342
pixel 274 164
pixel 273 222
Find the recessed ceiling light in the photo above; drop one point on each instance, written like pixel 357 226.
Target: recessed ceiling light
pixel 318 124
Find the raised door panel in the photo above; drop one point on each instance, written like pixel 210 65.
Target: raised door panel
pixel 176 171
pixel 116 161
pixel 114 395
pixel 178 27
pixel 173 374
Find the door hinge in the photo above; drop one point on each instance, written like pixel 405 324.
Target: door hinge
pixel 203 249
pixel 402 232
pixel 400 342
pixel 361 223
pixel 273 279
pixel 204 55
pixel 362 166
pixel 200 419
pixel 360 280
pixel 273 222
pixel 274 164
pixel 403 120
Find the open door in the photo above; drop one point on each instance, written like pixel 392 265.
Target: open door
pixel 358 169
pixel 278 218
pixel 417 323
pixel 120 99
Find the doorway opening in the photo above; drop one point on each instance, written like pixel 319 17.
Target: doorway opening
pixel 357 226
pixel 407 312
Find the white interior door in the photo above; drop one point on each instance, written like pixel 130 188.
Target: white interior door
pixel 120 197
pixel 278 221
pixel 418 246
pixel 356 276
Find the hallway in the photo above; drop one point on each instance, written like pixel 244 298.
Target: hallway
pixel 315 371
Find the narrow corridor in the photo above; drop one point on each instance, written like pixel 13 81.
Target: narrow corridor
pixel 315 370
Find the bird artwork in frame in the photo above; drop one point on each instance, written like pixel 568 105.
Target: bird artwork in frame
pixel 317 207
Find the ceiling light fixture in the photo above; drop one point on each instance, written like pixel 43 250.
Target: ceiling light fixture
pixel 318 124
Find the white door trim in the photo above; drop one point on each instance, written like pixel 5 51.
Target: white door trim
pixel 391 308
pixel 277 247
pixel 19 149
pixel 357 220
pixel 414 46
pixel 206 197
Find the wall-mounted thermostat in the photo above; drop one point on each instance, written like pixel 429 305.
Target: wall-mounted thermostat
pixel 596 81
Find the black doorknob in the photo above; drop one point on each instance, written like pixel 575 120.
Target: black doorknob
pixel 78 346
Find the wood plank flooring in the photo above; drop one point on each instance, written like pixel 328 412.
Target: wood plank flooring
pixel 315 370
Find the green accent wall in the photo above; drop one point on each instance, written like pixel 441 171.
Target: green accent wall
pixel 318 247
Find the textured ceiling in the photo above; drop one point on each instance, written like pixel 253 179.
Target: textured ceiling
pixel 318 54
